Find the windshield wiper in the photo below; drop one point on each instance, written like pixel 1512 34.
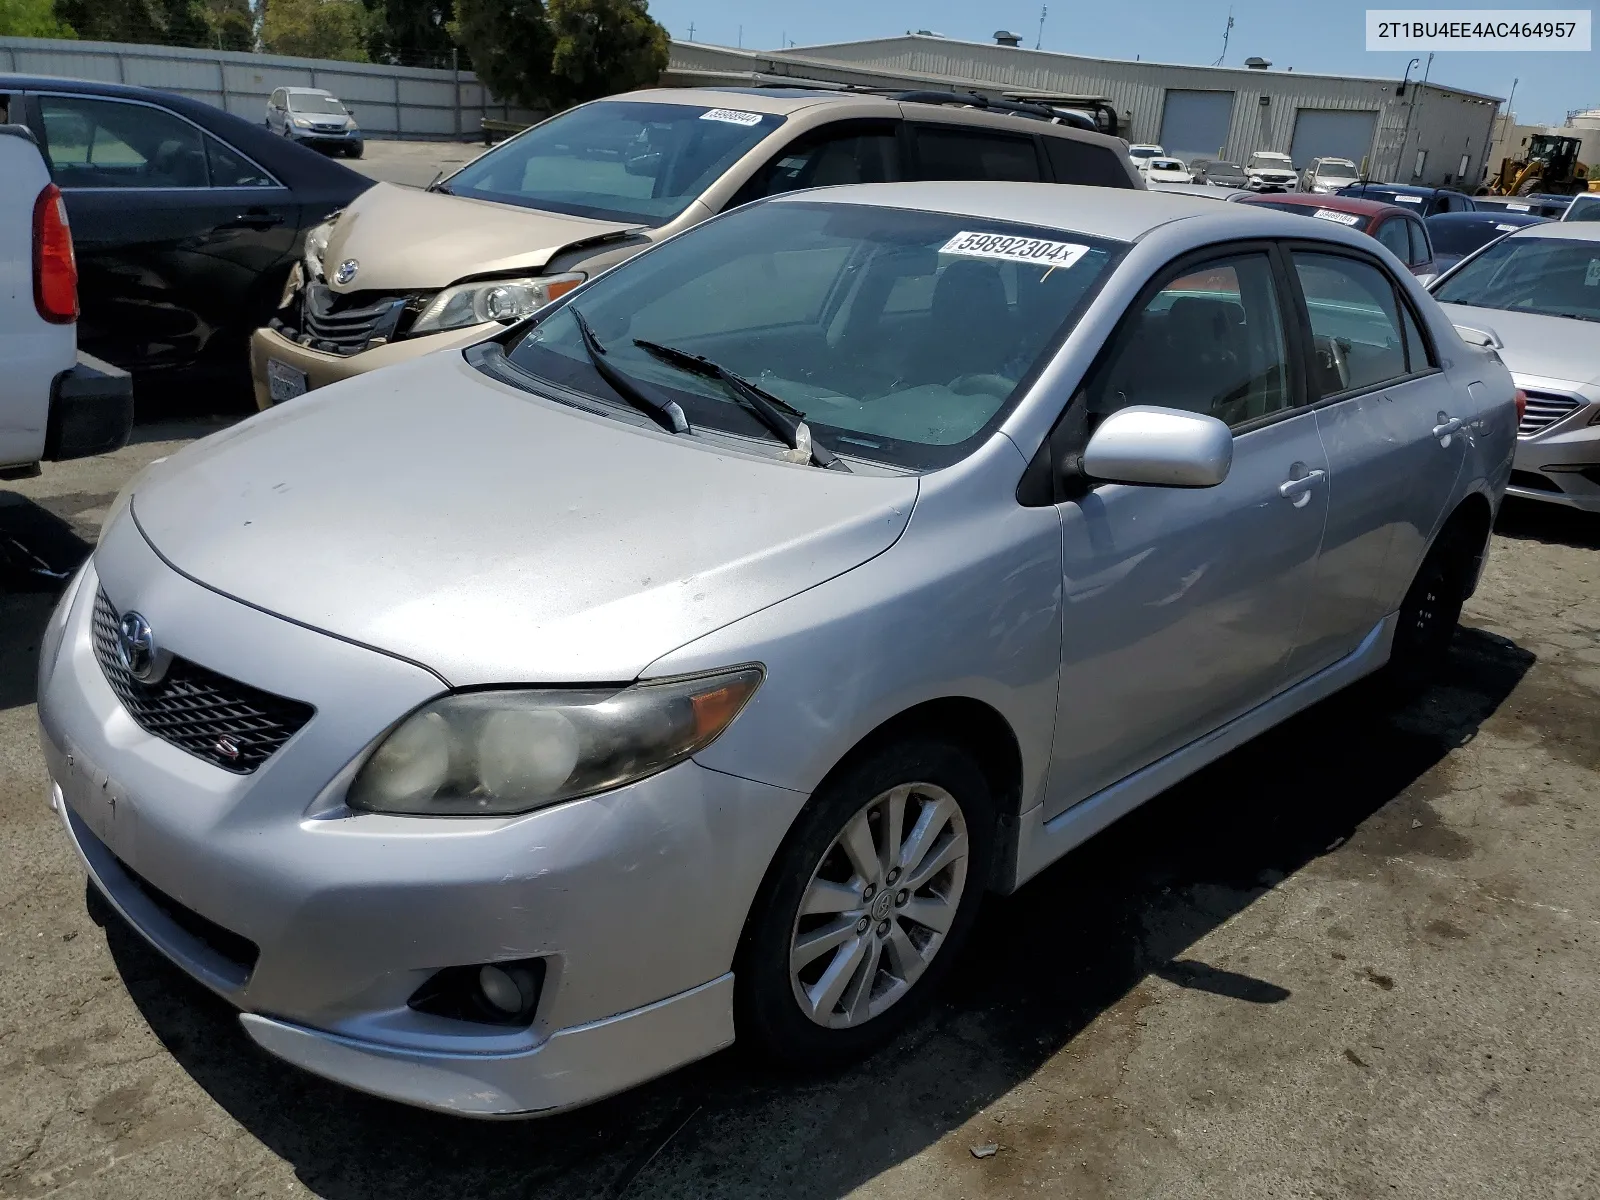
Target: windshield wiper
pixel 776 414
pixel 667 412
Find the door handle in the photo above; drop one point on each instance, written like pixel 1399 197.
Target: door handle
pixel 1299 490
pixel 1446 426
pixel 253 220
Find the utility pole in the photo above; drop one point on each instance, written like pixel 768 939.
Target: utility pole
pixel 1504 129
pixel 1405 130
pixel 1415 96
pixel 691 31
pixel 1226 33
pixel 1044 11
pixel 741 37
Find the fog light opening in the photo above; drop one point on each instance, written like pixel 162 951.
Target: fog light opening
pixel 504 993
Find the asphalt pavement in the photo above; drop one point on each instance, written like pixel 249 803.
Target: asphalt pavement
pixel 413 164
pixel 1353 959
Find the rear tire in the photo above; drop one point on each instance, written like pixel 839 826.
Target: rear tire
pixel 1429 615
pixel 897 845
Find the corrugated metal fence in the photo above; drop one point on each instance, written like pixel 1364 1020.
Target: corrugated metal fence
pixel 408 102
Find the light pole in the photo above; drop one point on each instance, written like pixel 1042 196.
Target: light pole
pixel 1405 130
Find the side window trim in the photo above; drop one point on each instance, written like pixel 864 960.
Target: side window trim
pixel 200 129
pixel 1303 317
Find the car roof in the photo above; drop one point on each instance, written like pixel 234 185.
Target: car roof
pixel 1404 189
pixel 1268 154
pixel 1571 231
pixel 1482 217
pixel 1344 204
pixel 1117 214
pixel 300 91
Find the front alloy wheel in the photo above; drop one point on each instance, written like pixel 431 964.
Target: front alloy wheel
pixel 879 905
pixel 866 903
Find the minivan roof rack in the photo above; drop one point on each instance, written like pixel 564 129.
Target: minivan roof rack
pixel 1010 107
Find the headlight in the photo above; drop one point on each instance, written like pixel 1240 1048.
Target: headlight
pixel 349 122
pixel 317 247
pixel 302 123
pixel 493 300
pixel 498 753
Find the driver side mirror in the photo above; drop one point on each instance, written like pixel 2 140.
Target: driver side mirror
pixel 1159 447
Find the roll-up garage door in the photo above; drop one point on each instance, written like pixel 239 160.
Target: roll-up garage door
pixel 1195 124
pixel 1332 133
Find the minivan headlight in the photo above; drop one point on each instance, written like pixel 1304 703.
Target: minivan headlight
pixel 493 300
pixel 317 248
pixel 503 752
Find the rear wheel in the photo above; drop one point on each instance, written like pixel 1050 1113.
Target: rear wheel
pixel 866 904
pixel 1429 615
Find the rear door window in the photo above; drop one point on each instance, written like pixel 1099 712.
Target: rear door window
pixel 1355 323
pixel 1073 161
pixel 1392 233
pixel 1421 252
pixel 961 152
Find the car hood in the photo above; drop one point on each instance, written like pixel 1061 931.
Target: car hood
pixel 498 537
pixel 405 238
pixel 1529 344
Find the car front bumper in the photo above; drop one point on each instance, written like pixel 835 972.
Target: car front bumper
pixel 1560 463
pixel 321 368
pixel 319 923
pixel 330 139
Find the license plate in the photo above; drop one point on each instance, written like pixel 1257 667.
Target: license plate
pixel 284 382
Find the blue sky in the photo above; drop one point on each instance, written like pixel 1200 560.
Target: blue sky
pixel 1327 37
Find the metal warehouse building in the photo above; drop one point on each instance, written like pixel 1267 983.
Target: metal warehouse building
pixel 1427 133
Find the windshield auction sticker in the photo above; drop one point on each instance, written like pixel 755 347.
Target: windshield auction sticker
pixel 1014 249
pixel 1478 29
pixel 1328 214
pixel 731 116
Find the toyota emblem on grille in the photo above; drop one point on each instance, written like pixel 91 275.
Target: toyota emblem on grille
pixel 347 271
pixel 136 646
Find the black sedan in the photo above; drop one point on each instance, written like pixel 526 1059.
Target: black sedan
pixel 186 219
pixel 1456 235
pixel 1424 201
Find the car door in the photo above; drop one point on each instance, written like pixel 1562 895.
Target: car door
pixel 173 228
pixel 1390 424
pixel 1181 607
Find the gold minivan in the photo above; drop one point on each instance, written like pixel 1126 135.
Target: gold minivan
pixel 402 271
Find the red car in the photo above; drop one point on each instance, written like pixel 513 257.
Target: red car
pixel 1392 225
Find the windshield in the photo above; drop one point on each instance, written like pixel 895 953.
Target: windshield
pixel 1554 277
pixel 902 336
pixel 1223 170
pixel 616 160
pixel 1166 164
pixel 1143 151
pixel 301 102
pixel 1337 170
pixel 1270 162
pixel 1584 208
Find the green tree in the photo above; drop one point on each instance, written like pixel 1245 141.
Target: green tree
pixel 157 22
pixel 32 18
pixel 232 24
pixel 316 29
pixel 602 47
pixel 571 51
pixel 510 43
pixel 412 32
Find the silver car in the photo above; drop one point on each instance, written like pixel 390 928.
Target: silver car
pixel 1533 296
pixel 505 728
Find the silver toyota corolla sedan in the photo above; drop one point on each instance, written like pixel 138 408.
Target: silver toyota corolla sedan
pixel 505 728
pixel 1534 297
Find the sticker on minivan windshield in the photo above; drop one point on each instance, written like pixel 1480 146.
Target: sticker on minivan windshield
pixel 1014 249
pixel 1328 214
pixel 731 116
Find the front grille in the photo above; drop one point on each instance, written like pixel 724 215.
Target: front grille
pixel 227 723
pixel 1545 409
pixel 343 324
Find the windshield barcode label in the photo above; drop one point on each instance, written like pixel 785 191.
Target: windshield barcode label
pixel 1327 214
pixel 731 116
pixel 1014 249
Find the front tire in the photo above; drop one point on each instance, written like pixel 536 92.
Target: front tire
pixel 354 149
pixel 866 904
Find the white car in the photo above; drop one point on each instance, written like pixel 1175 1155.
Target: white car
pixel 1269 170
pixel 1584 207
pixel 55 401
pixel 1140 155
pixel 1167 170
pixel 1327 175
